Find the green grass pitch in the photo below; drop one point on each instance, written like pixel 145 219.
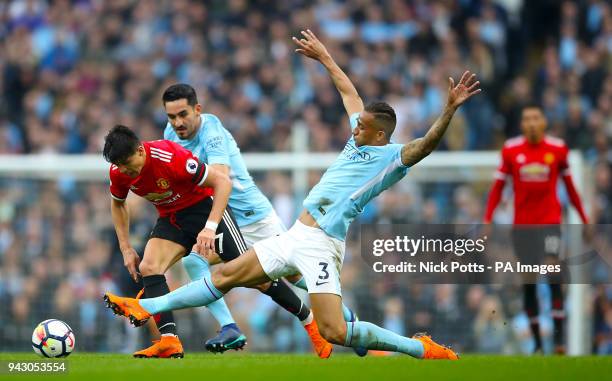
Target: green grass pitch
pixel 293 367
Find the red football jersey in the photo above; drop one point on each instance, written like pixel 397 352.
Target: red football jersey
pixel 535 169
pixel 171 178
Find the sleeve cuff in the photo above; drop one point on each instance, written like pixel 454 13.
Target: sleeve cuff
pixel 204 177
pixel 118 198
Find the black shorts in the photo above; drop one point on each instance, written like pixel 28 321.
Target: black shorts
pixel 184 226
pixel 535 244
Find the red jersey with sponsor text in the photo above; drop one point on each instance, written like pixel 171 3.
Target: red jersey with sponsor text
pixel 171 178
pixel 535 169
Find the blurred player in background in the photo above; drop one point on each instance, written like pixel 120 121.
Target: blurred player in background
pixel 204 135
pixel 180 187
pixel 534 162
pixel 314 246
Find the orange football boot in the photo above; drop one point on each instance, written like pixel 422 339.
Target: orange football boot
pixel 321 346
pixel 166 347
pixel 433 350
pixel 127 307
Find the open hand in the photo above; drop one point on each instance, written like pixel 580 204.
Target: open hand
pixel 310 46
pixel 464 90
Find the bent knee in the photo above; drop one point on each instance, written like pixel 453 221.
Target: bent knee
pixel 334 333
pixel 148 268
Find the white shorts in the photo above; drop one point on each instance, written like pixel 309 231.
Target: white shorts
pixel 270 226
pixel 305 250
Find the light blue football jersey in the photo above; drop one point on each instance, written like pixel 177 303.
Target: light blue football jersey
pixel 213 144
pixel 357 176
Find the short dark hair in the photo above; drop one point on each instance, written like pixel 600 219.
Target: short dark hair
pixel 180 91
pixel 384 114
pixel 119 144
pixel 531 104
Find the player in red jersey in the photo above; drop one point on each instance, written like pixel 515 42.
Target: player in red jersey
pixel 179 186
pixel 534 162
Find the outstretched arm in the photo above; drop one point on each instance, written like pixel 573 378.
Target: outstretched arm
pixel 311 47
pixel 416 150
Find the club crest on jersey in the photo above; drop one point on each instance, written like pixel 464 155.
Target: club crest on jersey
pixel 520 158
pixel 163 183
pixel 191 166
pixel 549 158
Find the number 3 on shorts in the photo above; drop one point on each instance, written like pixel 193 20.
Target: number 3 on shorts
pixel 324 273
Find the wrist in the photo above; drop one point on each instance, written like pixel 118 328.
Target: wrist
pixel 211 225
pixel 450 108
pixel 327 60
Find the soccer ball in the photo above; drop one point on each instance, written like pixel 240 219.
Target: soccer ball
pixel 53 338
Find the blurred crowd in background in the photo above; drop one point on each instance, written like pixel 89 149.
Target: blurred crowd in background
pixel 70 69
